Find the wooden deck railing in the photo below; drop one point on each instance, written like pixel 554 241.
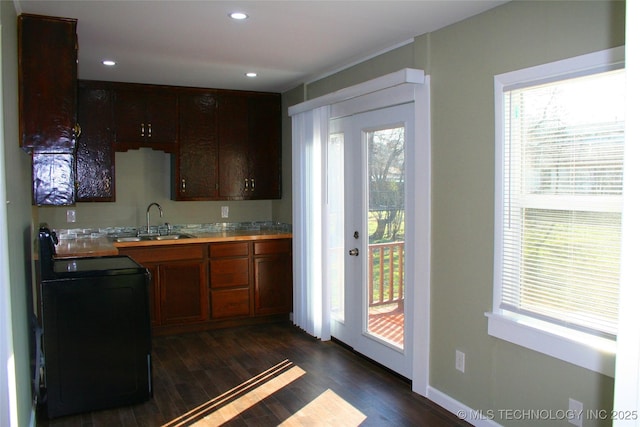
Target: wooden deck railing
pixel 386 273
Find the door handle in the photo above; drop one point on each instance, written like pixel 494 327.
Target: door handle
pixel 354 252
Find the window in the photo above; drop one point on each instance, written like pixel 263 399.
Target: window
pixel 559 162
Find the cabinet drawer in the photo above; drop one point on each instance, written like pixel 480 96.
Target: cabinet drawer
pixel 229 303
pixel 272 246
pixel 229 249
pixel 166 253
pixel 225 273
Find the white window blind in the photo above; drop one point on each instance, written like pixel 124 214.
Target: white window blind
pixel 562 201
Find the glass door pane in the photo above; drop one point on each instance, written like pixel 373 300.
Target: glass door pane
pixel 385 219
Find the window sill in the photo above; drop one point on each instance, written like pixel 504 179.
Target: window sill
pixel 581 349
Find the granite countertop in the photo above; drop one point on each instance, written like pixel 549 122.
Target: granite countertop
pixel 103 242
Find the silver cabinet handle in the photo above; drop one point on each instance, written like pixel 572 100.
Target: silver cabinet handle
pixel 142 129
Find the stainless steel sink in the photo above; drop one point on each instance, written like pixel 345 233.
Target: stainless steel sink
pixel 172 237
pixel 128 239
pixel 146 237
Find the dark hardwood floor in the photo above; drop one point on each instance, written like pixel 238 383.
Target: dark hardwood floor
pixel 266 375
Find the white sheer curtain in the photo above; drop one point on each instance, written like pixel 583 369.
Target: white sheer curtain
pixel 311 299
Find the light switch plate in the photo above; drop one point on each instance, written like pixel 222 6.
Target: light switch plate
pixel 71 215
pixel 224 212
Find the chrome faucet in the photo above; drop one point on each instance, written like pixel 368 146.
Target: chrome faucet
pixel 148 208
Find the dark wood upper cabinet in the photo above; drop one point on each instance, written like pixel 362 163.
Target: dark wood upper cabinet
pixel 145 116
pixel 196 162
pixel 250 146
pixel 225 144
pixel 233 146
pixel 47 74
pixel 231 151
pixel 265 158
pixel 48 70
pixel 95 157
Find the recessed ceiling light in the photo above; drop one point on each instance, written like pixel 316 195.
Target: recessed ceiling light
pixel 251 74
pixel 108 62
pixel 238 16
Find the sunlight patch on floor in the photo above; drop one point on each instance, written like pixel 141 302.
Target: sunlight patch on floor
pixel 328 409
pixel 229 405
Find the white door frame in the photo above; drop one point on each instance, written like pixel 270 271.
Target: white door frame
pixel 407 85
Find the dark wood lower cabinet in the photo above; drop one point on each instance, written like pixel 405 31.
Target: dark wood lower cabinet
pixel 178 291
pixel 272 269
pixel 207 286
pixel 183 294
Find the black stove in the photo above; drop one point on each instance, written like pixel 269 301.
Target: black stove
pixel 96 331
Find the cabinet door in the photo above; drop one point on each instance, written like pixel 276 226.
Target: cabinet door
pixel 233 146
pixel 48 72
pixel 178 291
pixel 184 295
pixel 53 177
pixel 196 163
pixel 95 158
pixel 145 116
pixel 130 116
pixel 265 152
pixel 162 118
pixel 273 277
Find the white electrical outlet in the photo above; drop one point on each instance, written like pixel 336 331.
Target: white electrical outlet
pixel 575 412
pixel 224 212
pixel 71 215
pixel 459 361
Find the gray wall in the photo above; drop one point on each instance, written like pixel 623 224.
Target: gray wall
pixel 462 60
pixel 17 182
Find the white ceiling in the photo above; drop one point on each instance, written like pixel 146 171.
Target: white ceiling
pixel 195 43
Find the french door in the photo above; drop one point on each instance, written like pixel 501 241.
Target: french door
pixel 367 224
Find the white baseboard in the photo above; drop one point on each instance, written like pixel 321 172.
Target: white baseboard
pixel 460 410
